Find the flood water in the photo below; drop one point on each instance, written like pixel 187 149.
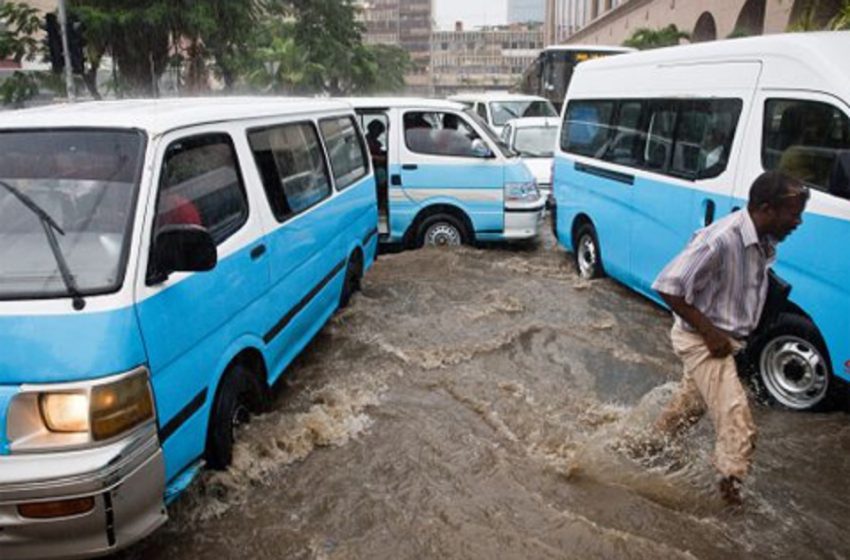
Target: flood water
pixel 489 404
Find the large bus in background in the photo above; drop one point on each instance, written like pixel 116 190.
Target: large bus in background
pixel 549 75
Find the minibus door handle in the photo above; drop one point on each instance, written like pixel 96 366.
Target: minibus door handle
pixel 709 212
pixel 258 252
pixel 410 167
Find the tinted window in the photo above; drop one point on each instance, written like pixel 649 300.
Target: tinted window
pixel 803 139
pixel 625 146
pixel 345 149
pixel 704 135
pixel 436 133
pixel 290 161
pixel 482 111
pixel 586 127
pixel 659 137
pixel 201 185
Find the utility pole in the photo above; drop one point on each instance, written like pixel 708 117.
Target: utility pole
pixel 63 26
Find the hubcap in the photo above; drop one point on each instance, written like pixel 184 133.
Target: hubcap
pixel 794 372
pixel 586 256
pixel 442 235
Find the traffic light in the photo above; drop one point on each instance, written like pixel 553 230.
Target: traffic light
pixel 53 42
pixel 76 43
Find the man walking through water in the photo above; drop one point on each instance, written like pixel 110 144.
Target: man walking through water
pixel 717 288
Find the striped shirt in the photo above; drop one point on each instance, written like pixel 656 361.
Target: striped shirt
pixel 723 273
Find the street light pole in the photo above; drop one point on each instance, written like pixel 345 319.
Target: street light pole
pixel 63 26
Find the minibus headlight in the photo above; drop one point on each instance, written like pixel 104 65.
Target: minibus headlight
pixel 65 412
pixel 45 417
pixel 522 192
pixel 119 406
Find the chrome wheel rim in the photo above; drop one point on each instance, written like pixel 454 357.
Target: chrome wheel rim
pixel 794 372
pixel 586 256
pixel 442 235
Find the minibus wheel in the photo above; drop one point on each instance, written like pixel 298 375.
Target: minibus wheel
pixel 441 230
pixel 587 253
pixel 353 275
pixel 792 364
pixel 238 394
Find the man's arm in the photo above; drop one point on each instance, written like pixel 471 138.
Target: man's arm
pixel 717 342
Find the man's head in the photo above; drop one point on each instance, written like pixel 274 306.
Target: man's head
pixel 376 128
pixel 776 204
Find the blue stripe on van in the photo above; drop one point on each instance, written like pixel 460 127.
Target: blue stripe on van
pixel 636 243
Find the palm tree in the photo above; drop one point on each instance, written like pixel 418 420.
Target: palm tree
pixel 645 38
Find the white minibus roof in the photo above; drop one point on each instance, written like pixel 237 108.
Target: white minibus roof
pixel 404 102
pixel 812 61
pixel 160 115
pixel 489 96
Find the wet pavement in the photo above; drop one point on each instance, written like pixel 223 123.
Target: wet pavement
pixel 490 404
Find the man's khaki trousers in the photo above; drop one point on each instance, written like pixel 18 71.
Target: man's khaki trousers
pixel 712 383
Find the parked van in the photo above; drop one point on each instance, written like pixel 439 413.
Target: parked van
pixel 497 108
pixel 443 177
pixel 534 139
pixel 639 168
pixel 161 263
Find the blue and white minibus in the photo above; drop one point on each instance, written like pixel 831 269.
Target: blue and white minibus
pixel 655 145
pixel 443 177
pixel 161 263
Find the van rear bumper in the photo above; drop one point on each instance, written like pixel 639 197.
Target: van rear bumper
pixel 125 479
pixel 524 220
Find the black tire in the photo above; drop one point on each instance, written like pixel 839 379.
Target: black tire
pixel 793 366
pixel 353 275
pixel 239 394
pixel 442 230
pixel 587 253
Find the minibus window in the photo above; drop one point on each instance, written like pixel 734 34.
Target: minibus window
pixel 704 135
pixel 201 185
pixel 586 127
pixel 437 133
pixel 294 172
pixel 626 144
pixel 805 139
pixel 662 119
pixel 345 149
pixel 84 184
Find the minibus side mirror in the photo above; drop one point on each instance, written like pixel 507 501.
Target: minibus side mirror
pixel 480 149
pixel 182 248
pixel 839 177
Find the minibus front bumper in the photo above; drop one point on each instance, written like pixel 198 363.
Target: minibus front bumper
pixel 524 219
pixel 120 484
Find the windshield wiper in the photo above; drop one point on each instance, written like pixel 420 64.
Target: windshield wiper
pixel 50 227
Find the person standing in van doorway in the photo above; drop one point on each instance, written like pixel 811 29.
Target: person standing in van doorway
pixel 717 288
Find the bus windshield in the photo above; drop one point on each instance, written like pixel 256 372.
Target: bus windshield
pixel 66 207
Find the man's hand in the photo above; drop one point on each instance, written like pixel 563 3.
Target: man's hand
pixel 718 343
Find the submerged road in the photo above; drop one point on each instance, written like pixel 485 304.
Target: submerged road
pixel 489 404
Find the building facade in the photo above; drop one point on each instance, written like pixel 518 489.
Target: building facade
pixel 610 22
pixel 525 11
pixel 404 23
pixel 484 58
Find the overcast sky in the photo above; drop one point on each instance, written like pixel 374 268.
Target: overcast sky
pixel 471 12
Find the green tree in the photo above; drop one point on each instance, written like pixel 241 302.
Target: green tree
pixel 841 20
pixel 19 24
pixel 645 38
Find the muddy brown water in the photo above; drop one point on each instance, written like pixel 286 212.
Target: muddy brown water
pixel 486 403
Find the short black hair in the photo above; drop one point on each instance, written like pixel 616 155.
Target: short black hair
pixel 773 188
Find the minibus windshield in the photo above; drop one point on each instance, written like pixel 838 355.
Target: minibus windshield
pixel 503 111
pixel 66 209
pixel 537 141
